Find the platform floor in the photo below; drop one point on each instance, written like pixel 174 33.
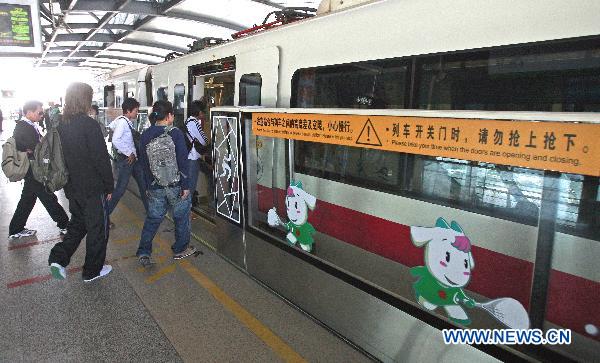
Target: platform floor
pixel 199 309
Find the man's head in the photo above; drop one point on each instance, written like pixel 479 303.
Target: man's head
pixel 197 108
pixel 130 108
pixel 32 110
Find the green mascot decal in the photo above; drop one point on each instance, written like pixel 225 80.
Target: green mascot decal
pixel 297 202
pixel 448 266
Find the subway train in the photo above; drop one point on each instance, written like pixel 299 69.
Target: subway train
pixel 532 234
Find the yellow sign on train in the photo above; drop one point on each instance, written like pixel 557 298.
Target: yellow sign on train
pixel 561 146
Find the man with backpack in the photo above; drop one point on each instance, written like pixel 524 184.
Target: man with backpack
pixel 125 143
pixel 163 154
pixel 27 136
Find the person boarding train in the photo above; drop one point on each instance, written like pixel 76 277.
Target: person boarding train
pixel 163 154
pixel 125 142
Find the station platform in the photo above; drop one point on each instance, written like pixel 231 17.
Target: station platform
pixel 200 309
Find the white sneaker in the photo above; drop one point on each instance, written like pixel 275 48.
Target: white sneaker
pixel 106 269
pixel 57 271
pixel 24 233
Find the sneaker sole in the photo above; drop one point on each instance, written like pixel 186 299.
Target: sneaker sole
pixel 55 271
pixel 97 277
pixel 184 256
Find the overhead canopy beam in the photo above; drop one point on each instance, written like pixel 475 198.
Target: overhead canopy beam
pixel 148 8
pixel 75 64
pixel 68 8
pixel 170 32
pixel 154 45
pixel 116 57
pixel 107 38
pixel 78 37
pixel 100 54
pixel 85 47
pixel 101 23
pixel 93 25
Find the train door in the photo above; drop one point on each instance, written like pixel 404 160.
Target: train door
pixel 213 81
pixel 256 77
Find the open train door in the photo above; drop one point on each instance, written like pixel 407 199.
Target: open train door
pixel 256 79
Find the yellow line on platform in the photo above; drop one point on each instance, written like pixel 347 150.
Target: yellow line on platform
pixel 258 328
pixel 122 241
pixel 280 347
pixel 160 273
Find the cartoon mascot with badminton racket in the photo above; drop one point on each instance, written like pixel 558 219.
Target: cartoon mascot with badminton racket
pixel 448 269
pixel 297 202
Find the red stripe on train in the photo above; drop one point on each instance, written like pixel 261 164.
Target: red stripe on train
pixel 573 300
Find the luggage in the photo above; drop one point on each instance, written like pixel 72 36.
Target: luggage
pixel 15 164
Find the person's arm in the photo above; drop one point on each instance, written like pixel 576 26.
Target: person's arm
pixel 143 159
pixel 195 129
pixel 99 155
pixel 182 160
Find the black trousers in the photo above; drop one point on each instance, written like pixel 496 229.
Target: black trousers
pixel 32 189
pixel 89 215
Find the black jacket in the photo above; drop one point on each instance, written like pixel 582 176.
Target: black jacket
pixel 86 157
pixel 26 137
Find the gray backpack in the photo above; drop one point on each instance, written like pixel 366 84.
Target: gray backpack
pixel 49 166
pixel 14 163
pixel 163 159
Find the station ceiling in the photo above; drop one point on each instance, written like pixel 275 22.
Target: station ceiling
pixel 102 35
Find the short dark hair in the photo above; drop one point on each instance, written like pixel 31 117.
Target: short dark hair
pixel 130 104
pixel 197 106
pixel 95 108
pixel 31 106
pixel 160 110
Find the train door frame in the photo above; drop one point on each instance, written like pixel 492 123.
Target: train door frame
pixel 212 68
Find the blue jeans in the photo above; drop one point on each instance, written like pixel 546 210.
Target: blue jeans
pixel 193 172
pixel 124 172
pixel 159 202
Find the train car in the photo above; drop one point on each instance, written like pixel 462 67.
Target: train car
pixel 511 60
pixel 123 83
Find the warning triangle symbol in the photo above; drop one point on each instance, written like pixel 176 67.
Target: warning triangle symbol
pixel 368 136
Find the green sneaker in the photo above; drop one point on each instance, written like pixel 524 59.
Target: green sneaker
pixel 57 271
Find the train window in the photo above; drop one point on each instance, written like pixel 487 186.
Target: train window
pixel 220 89
pixel 373 84
pixel 109 96
pixel 179 104
pixel 529 78
pixel 162 94
pixel 250 87
pixel 573 274
pixel 357 166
